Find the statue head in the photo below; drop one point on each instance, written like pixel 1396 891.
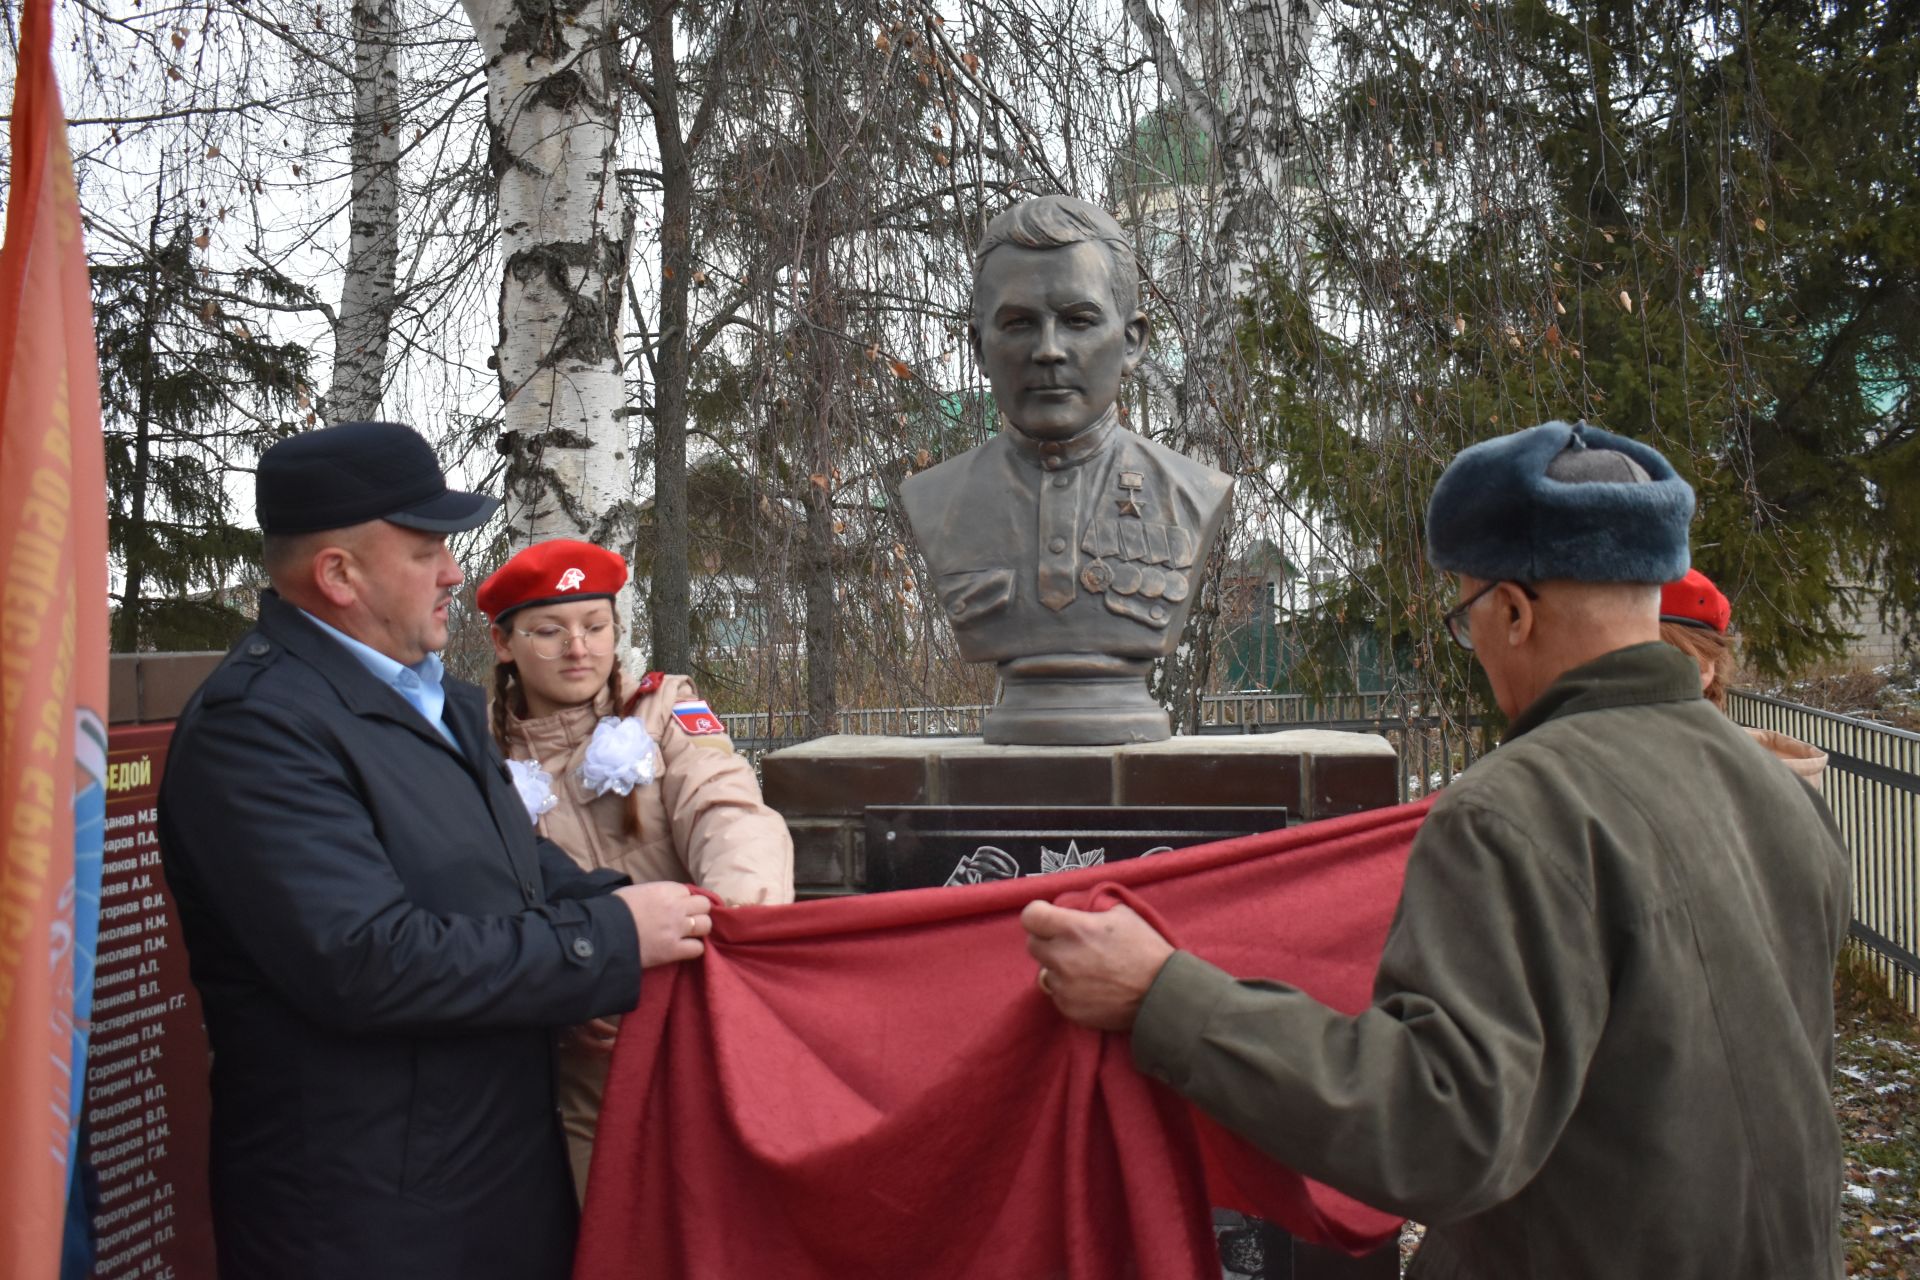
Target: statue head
pixel 1056 314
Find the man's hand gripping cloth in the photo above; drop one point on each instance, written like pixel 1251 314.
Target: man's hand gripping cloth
pixel 875 1086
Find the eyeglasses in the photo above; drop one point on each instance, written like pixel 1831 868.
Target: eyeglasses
pixel 552 641
pixel 1454 617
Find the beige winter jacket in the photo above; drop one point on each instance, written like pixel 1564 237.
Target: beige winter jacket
pixel 1807 762
pixel 702 821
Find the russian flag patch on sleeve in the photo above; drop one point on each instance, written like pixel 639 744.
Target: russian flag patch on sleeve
pixel 697 718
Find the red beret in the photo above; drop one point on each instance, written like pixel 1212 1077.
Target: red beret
pixel 1695 602
pixel 549 573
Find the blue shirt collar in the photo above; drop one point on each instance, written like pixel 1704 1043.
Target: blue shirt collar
pixel 418 683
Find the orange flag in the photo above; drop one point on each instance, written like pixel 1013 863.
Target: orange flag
pixel 53 665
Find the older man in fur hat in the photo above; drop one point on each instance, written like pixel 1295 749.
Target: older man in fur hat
pixel 1602 1030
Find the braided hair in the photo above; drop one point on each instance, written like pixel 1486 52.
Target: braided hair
pixel 505 688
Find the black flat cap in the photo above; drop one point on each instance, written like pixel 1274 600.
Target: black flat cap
pixel 359 471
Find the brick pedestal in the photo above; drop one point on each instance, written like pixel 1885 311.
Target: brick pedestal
pixel 823 787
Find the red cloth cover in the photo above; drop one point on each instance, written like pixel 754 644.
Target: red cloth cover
pixel 874 1086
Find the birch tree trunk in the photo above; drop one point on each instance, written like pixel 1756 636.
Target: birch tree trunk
pixel 1234 81
pixel 366 295
pixel 553 105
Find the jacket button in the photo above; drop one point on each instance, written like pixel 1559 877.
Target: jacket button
pixel 583 947
pixel 259 649
pixel 1056 545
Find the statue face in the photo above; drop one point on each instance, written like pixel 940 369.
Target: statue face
pixel 1048 335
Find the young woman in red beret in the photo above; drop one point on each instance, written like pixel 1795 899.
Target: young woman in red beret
pixel 639 776
pixel 1694 616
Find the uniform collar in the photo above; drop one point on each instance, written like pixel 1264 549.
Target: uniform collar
pixel 1634 676
pixel 1057 455
pixel 561 731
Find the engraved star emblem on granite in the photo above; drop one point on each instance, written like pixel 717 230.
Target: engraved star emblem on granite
pixel 1072 860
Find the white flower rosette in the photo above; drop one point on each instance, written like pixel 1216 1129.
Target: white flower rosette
pixel 535 786
pixel 620 757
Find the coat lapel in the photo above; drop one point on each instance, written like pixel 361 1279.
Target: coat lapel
pixel 464 714
pixel 361 692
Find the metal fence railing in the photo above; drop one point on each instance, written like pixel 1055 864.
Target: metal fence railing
pixel 756 731
pixel 1281 710
pixel 1872 784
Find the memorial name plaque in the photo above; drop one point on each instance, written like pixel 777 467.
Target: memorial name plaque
pixel 147 1109
pixel 925 846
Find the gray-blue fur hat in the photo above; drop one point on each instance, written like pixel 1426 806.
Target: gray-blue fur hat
pixel 1560 501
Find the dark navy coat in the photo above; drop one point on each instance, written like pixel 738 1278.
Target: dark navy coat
pixel 383 949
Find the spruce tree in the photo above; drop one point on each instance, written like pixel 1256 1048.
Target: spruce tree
pixel 1692 223
pixel 191 390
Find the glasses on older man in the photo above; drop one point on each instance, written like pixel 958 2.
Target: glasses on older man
pixel 1456 617
pixel 551 641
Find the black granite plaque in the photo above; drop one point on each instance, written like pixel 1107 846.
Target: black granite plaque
pixel 925 846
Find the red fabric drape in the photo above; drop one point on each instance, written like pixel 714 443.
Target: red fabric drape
pixel 875 1087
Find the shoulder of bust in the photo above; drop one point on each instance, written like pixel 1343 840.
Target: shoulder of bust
pixel 1186 471
pixel 929 497
pixel 941 474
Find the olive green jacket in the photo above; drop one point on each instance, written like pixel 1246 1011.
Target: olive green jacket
pixel 1601 1040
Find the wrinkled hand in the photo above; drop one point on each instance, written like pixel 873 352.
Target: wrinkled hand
pixel 670 919
pixel 1096 965
pixel 596 1035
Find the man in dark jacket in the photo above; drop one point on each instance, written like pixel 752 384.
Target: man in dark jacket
pixel 381 943
pixel 1601 1039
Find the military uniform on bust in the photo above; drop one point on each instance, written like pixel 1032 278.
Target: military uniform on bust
pixel 1066 548
pixel 1107 523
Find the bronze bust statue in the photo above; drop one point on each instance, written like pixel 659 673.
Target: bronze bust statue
pixel 1067 548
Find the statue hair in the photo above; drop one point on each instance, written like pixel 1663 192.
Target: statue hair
pixel 1057 222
